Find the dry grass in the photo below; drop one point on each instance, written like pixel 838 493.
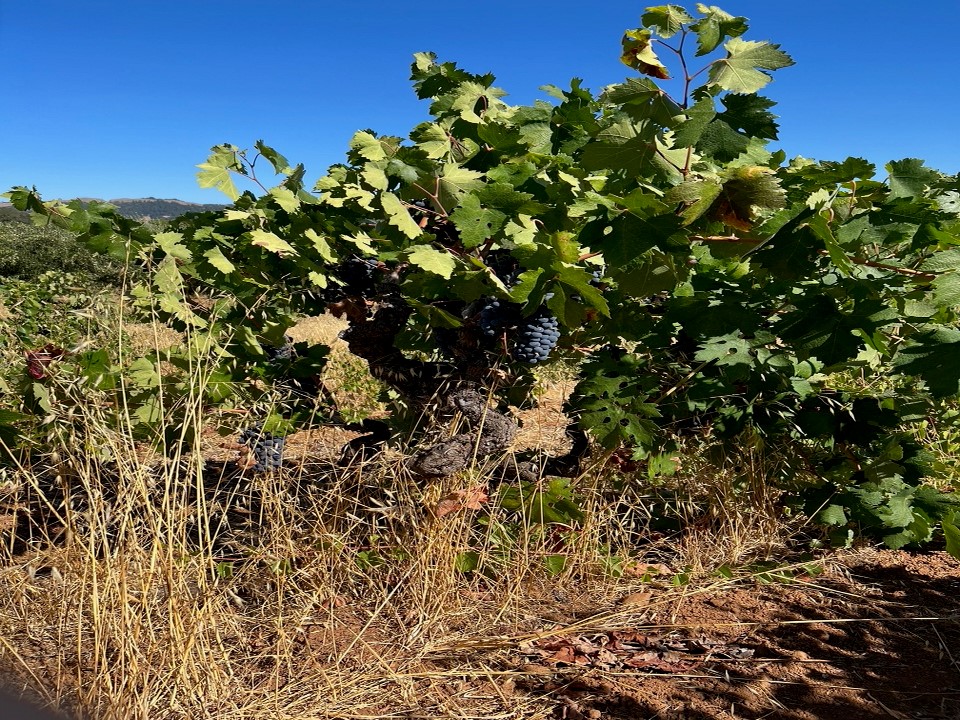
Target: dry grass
pixel 153 587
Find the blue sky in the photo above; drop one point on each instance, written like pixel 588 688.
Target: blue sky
pixel 122 98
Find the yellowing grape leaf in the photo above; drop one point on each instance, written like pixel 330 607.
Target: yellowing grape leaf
pixel 638 54
pixel 272 243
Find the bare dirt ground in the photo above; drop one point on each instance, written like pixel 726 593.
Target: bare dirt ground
pixel 876 636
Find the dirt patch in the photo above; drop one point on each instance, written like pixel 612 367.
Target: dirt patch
pixel 877 637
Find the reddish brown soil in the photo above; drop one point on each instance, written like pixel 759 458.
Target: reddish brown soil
pixel 877 637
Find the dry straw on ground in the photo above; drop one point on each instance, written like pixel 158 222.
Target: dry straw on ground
pixel 170 585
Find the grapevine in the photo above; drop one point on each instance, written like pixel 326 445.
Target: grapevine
pixel 738 289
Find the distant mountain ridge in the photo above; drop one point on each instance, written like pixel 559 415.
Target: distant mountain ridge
pixel 151 208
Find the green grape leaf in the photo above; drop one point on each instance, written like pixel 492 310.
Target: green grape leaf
pixel 820 329
pixel 280 164
pixel 750 115
pixel 729 349
pixel 688 133
pixel 455 182
pixel 631 236
pixel 667 19
pixel 949 202
pixel 946 289
pixel 374 175
pixel 216 171
pixel 933 357
pixel 714 27
pixel 171 243
pixel 833 514
pixel 612 400
pixel 943 261
pixel 367 145
pixel 740 71
pixel 272 243
pixel 721 142
pixel 475 222
pixel 951 533
pixel 320 244
pixel 285 198
pixel 504 197
pixel 429 258
pixel 579 280
pixel 433 140
pixel 697 195
pixel 819 226
pixel 538 137
pixel 747 191
pixel 629 147
pixel 470 97
pixel 216 258
pixel 909 177
pixel 398 216
pixel 643 100
pixel 654 272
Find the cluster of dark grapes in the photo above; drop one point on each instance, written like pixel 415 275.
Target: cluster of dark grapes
pixel 357 276
pixel 536 338
pixel 493 317
pixel 504 266
pixel 267 448
pixel 279 355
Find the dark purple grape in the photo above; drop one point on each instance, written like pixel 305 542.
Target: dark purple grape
pixel 267 448
pixel 536 337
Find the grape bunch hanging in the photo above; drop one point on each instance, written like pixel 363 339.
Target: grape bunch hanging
pixel 267 448
pixel 531 339
pixel 536 338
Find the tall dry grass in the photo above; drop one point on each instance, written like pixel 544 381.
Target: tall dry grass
pixel 139 584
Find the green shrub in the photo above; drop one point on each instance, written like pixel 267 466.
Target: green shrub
pixel 27 251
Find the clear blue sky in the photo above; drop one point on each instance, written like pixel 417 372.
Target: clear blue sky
pixel 121 98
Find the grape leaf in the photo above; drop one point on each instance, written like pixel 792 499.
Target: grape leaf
pixel 285 198
pixel 429 258
pixel 951 532
pixel 933 357
pixel 642 100
pixel 729 349
pixel 909 177
pixel 667 19
pixel 740 71
pixel 398 216
pixel 432 139
pixel 215 172
pixel 714 27
pixel 688 133
pixel 833 514
pixel 272 242
pixel 612 401
pixel 475 222
pixel 697 195
pixel 749 114
pixel 367 146
pixel 216 258
pixel 455 181
pixel 946 289
pixel 638 54
pixel 280 164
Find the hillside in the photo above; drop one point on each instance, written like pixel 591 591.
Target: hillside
pixel 148 208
